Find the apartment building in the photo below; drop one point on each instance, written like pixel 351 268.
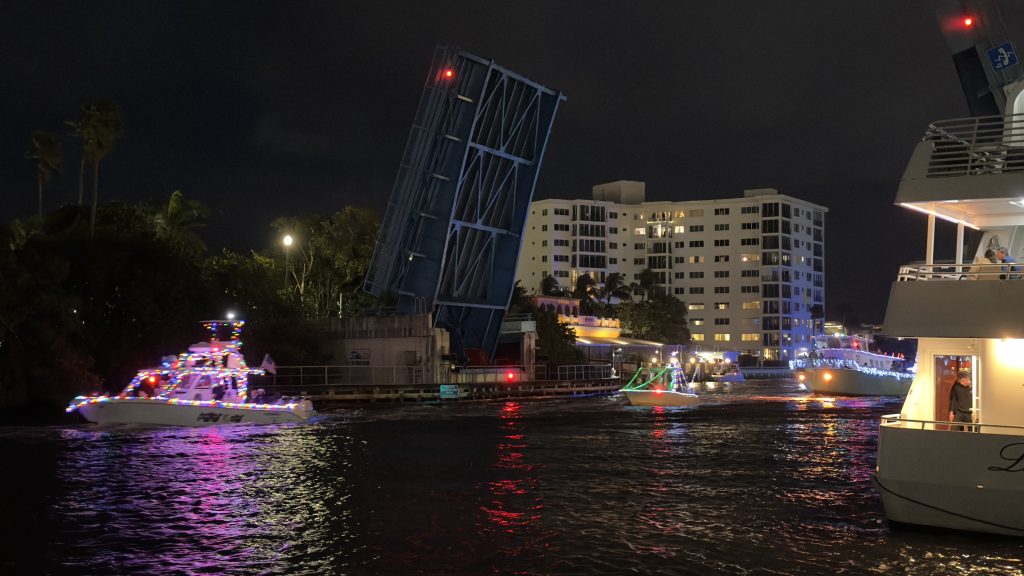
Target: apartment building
pixel 751 270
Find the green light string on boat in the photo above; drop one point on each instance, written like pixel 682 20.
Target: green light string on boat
pixel 642 385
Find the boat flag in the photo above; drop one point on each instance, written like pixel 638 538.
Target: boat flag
pixel 268 364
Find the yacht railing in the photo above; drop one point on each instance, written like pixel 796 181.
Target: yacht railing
pixel 975 146
pixel 947 271
pixel 894 420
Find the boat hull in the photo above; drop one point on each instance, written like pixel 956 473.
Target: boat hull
pixel 660 398
pixel 952 479
pixel 849 382
pixel 163 412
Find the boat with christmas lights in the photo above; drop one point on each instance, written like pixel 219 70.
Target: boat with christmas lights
pixel 843 365
pixel 208 384
pixel 662 387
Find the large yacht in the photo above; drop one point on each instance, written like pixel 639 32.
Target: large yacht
pixel 968 316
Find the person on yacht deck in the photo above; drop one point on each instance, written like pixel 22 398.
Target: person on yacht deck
pixel 1003 256
pixel 960 402
pixel 983 269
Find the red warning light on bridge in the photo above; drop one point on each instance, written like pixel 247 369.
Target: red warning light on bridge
pixel 510 376
pixel 968 21
pixel 448 74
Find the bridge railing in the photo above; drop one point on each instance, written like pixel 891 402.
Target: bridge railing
pixel 311 377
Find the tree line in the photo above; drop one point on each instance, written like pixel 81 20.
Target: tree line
pixel 656 315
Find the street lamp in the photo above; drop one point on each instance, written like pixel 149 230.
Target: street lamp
pixel 287 240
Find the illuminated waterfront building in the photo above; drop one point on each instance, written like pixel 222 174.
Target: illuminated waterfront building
pixel 751 270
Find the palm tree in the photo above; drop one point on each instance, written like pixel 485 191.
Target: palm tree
pixel 648 281
pixel 549 286
pixel 176 222
pixel 98 128
pixel 585 287
pixel 615 286
pixel 46 150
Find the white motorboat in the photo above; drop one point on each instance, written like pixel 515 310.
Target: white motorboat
pixel 208 384
pixel 660 397
pixel 845 366
pixel 968 477
pixel 665 387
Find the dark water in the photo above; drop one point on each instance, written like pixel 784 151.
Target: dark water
pixel 759 480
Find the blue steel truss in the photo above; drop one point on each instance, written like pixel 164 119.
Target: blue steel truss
pixel 453 228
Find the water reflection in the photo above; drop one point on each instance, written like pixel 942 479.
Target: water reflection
pixel 514 507
pixel 199 500
pixel 757 481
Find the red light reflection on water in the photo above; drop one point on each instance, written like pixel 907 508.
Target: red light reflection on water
pixel 660 430
pixel 512 508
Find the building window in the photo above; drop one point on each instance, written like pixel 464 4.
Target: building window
pixel 721 305
pixel 561 227
pixel 696 289
pixel 696 274
pixel 751 305
pixel 721 273
pixel 697 321
pixel 697 337
pixel 696 228
pixel 696 243
pixel 640 231
pixel 544 258
pixel 722 258
pixel 638 261
pixel 750 289
pixel 544 228
pixel 721 242
pixel 721 289
pixel 543 242
pixel 613 260
pixel 750 273
pixel 695 306
pixel 750 210
pixel 750 337
pixel 721 227
pixel 561 242
pixel 721 337
pixel 679 229
pixel 721 321
pixel 750 241
pixel 721 211
pixel 696 260
pixel 561 211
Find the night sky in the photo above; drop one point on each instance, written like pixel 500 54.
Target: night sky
pixel 265 109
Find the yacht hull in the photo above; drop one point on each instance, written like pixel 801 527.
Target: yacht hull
pixel 161 411
pixel 849 382
pixel 952 479
pixel 660 398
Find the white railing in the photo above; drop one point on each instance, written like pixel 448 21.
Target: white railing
pixel 847 364
pixel 894 420
pixel 948 271
pixel 975 146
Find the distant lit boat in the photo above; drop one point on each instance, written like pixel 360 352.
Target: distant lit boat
pixel 727 372
pixel 208 384
pixel 843 366
pixel 968 321
pixel 667 387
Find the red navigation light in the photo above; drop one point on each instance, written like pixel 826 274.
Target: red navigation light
pixel 152 379
pixel 510 376
pixel 968 21
pixel 448 74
